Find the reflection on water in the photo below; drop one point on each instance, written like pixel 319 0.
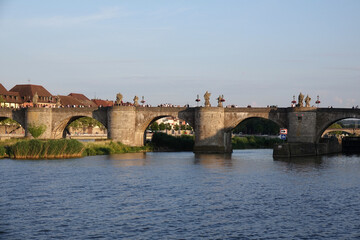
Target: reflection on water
pixel 128 159
pixel 213 160
pixel 245 195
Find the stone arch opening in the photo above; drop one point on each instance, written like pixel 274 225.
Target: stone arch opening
pixel 339 128
pixel 10 128
pixel 169 132
pixel 255 132
pixel 80 127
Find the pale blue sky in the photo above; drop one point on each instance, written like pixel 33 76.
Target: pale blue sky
pixel 253 52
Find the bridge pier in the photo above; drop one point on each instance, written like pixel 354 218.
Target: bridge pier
pixel 36 117
pixel 210 135
pixel 122 126
pixel 303 136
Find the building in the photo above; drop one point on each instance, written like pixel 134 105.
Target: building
pixel 103 103
pixel 83 99
pixel 28 91
pixel 69 101
pixel 9 99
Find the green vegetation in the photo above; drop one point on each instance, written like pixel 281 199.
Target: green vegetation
pixel 41 149
pixel 162 141
pixel 36 130
pixel 257 126
pixel 254 142
pixel 106 147
pixel 9 122
pixel 2 152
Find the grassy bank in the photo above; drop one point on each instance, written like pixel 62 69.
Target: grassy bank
pixel 62 148
pixel 251 142
pixel 109 147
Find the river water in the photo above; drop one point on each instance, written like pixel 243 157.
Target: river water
pixel 247 195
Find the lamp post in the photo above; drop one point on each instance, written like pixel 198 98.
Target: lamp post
pixel 197 100
pixel 317 101
pixel 293 102
pixel 142 100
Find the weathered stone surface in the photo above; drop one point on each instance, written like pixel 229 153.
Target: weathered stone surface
pixel 212 125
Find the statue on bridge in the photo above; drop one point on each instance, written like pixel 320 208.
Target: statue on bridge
pixel 35 99
pixel 301 99
pixel 220 100
pixel 207 99
pixel 136 101
pixel 307 101
pixel 119 98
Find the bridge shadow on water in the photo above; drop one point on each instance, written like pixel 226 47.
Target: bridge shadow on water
pixel 214 160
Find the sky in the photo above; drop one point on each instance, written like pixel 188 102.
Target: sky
pixel 254 52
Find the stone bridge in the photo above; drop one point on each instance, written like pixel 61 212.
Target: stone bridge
pixel 212 125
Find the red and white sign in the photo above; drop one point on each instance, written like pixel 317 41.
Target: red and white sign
pixel 283 131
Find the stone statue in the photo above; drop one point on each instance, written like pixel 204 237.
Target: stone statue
pixel 35 99
pixel 301 99
pixel 136 99
pixel 220 101
pixel 119 98
pixel 307 101
pixel 58 103
pixel 207 99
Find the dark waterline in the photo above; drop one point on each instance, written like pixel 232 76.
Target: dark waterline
pixel 246 195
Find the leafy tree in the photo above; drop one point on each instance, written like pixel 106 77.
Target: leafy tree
pixel 257 126
pixel 154 126
pixel 167 126
pixel 162 126
pixel 176 127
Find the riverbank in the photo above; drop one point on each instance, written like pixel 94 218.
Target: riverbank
pixel 62 148
pixel 71 148
pixel 254 142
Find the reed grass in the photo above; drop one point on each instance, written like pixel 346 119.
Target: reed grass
pixel 109 147
pixel 250 142
pixel 41 149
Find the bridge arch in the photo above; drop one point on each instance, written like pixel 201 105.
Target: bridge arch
pixel 10 127
pixel 234 118
pixel 279 124
pixel 60 126
pixel 326 119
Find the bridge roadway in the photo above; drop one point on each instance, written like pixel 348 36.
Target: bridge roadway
pixel 212 125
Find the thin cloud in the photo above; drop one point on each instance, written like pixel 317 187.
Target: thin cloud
pixel 61 21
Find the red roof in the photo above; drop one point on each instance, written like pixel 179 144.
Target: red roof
pixel 103 103
pixel 10 97
pixel 82 98
pixel 3 90
pixel 30 90
pixel 27 92
pixel 69 101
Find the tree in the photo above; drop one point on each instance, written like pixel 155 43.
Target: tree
pixel 154 126
pixel 257 126
pixel 167 126
pixel 176 127
pixel 162 126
